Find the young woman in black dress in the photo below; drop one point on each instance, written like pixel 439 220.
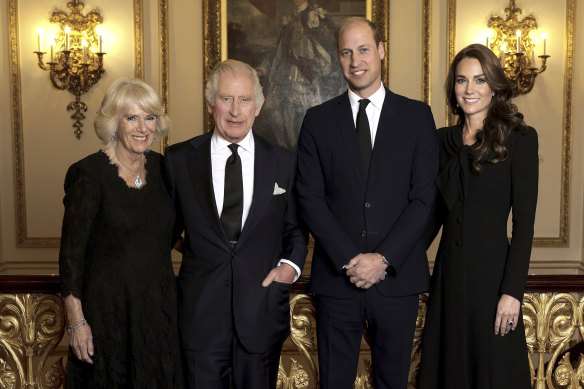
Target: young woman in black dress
pixel 474 335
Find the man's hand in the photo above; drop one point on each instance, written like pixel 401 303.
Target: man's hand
pixel 283 273
pixel 365 270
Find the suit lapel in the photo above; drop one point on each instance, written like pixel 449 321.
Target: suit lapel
pixel 199 165
pixel 264 178
pixel 349 134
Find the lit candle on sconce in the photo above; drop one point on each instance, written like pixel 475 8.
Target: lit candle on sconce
pixel 99 39
pixel 518 33
pixel 52 48
pixel 67 31
pixel 84 44
pixel 490 36
pixel 544 37
pixel 39 39
pixel 503 48
pixel 532 58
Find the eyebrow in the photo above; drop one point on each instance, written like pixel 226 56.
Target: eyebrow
pixel 477 76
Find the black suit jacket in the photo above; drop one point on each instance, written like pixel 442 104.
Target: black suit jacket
pixel 387 213
pixel 212 272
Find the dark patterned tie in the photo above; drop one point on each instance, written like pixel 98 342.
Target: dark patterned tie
pixel 364 133
pixel 233 196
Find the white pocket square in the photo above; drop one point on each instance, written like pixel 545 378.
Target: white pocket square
pixel 278 190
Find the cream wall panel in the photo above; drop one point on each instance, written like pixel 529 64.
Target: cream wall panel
pixel 186 69
pixel 49 144
pixel 543 106
pixel 405 53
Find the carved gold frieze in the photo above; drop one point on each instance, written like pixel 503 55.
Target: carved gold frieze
pixel 31 326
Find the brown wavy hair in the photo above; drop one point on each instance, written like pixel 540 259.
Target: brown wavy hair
pixel 502 115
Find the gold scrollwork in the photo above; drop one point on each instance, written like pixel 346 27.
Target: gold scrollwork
pixel 298 378
pixel 364 380
pixel 7 376
pixel 31 326
pixel 301 329
pixel 551 322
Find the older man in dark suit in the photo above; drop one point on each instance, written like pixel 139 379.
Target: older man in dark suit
pixel 235 199
pixel 367 161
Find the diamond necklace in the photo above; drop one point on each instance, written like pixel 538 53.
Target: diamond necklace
pixel 138 181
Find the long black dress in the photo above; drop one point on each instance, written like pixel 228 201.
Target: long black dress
pixel 115 257
pixel 475 265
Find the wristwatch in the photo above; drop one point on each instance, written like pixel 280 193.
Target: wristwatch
pixel 384 260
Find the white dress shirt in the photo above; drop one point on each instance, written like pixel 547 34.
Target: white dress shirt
pixel 373 109
pixel 220 152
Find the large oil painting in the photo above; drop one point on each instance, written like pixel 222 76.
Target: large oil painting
pixel 292 45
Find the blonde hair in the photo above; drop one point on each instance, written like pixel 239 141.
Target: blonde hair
pixel 236 67
pixel 120 95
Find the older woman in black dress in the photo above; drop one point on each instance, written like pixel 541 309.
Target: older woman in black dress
pixel 116 273
pixel 474 336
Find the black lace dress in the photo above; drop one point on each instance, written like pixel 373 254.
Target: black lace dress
pixel 115 257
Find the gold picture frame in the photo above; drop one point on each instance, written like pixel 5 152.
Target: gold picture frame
pixel 23 240
pixel 215 39
pixel 562 240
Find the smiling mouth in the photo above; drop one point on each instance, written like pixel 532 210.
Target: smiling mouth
pixel 471 101
pixel 140 138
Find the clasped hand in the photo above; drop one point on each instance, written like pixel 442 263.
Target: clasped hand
pixel 366 270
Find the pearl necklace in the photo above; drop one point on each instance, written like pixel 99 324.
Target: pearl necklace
pixel 138 181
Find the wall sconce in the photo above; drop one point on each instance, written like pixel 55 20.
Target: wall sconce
pixel 76 59
pixel 514 48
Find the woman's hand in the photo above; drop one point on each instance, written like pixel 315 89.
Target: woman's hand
pixel 507 312
pixel 81 341
pixel 80 337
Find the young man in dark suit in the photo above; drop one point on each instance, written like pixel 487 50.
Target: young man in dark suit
pixel 235 198
pixel 367 161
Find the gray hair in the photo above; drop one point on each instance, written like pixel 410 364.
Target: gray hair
pixel 235 67
pixel 120 95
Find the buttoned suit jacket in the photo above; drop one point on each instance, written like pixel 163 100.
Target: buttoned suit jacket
pixel 388 212
pixel 213 272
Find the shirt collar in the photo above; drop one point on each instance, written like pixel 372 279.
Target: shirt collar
pixel 218 143
pixel 376 98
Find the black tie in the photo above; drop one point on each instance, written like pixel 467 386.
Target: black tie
pixel 233 196
pixel 364 134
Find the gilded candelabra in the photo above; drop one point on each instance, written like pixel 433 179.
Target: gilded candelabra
pixel 76 56
pixel 513 45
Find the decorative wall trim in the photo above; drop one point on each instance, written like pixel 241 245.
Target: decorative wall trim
pixel 426 50
pixel 139 39
pixel 22 238
pixel 562 240
pixel 163 36
pixel 451 46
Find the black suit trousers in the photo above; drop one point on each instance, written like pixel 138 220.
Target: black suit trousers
pixel 225 364
pixel 390 323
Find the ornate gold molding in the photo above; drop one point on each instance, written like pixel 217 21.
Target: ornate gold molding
pixel 451 46
pixel 214 38
pixel 426 50
pixel 139 40
pixel 164 36
pixel 22 238
pixel 562 239
pixel 31 327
